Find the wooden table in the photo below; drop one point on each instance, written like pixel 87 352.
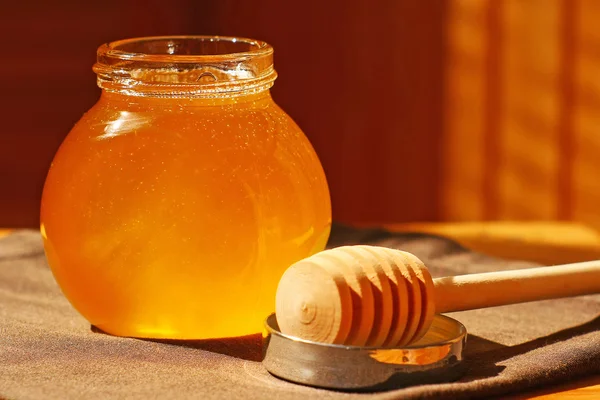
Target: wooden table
pixel 547 243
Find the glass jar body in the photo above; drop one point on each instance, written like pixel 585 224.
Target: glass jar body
pixel 175 218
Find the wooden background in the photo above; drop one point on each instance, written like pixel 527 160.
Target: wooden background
pixel 522 111
pixel 419 110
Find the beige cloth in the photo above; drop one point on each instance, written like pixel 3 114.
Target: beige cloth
pixel 48 351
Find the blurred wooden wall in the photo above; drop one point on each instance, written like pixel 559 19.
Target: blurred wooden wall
pixel 419 110
pixel 522 111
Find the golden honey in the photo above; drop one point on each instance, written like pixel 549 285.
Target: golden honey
pixel 174 205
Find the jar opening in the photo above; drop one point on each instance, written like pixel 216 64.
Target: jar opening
pixel 185 66
pixel 195 46
pixel 185 48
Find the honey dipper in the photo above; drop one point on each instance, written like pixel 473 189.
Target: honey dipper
pixel 380 297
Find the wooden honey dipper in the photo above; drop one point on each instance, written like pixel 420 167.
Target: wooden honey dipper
pixel 376 296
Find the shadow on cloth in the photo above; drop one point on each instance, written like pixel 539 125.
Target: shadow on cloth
pixel 247 348
pixel 482 355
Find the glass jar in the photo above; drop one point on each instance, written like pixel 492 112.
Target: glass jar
pixel 177 201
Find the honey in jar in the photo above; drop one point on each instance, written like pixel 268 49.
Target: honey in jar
pixel 177 201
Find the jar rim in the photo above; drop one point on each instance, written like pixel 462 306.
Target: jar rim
pixel 115 48
pixel 185 66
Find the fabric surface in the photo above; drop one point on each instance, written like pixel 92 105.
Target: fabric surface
pixel 48 351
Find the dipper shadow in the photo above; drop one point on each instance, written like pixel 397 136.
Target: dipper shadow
pixel 483 355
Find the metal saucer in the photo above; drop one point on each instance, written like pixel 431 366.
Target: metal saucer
pixel 435 358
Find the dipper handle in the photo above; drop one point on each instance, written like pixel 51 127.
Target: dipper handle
pixel 469 292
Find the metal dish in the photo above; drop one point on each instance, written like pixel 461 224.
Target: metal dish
pixel 437 357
